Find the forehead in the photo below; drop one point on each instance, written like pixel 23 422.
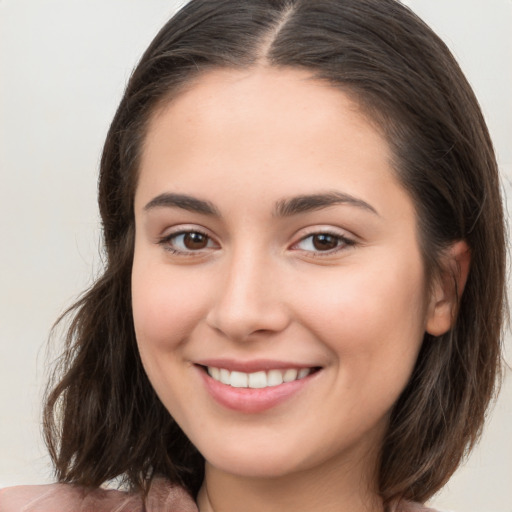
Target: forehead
pixel 267 130
pixel 223 97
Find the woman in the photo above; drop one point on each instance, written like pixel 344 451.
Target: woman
pixel 298 202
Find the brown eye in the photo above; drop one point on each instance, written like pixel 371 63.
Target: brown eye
pixel 195 240
pixel 187 242
pixel 325 242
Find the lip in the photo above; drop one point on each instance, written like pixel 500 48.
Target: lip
pixel 252 400
pixel 255 365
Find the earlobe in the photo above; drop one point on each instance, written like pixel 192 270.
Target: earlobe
pixel 447 289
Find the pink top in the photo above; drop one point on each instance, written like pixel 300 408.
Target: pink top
pixel 163 497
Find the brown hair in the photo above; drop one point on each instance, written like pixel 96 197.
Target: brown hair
pixel 103 419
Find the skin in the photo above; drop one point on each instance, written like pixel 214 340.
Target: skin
pixel 260 289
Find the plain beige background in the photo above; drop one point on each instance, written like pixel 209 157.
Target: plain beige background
pixel 63 67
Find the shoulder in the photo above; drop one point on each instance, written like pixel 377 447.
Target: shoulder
pixel 66 498
pixel 407 506
pixel 163 497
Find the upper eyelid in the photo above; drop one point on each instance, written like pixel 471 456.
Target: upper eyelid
pixel 327 230
pixel 185 228
pixel 306 233
pixel 348 240
pixel 165 242
pixel 182 230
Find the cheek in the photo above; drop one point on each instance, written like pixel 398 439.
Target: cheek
pixel 372 320
pixel 165 307
pixel 373 325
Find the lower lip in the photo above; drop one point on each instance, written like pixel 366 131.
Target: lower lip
pixel 250 400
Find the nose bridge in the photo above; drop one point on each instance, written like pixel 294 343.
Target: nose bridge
pixel 249 299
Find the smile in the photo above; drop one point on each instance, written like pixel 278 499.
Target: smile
pixel 256 386
pixel 257 380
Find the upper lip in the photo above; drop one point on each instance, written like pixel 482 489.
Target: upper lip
pixel 255 365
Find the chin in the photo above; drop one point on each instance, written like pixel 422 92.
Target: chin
pixel 254 463
pixel 258 469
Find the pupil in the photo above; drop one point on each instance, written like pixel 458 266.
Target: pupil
pixel 195 241
pixel 325 242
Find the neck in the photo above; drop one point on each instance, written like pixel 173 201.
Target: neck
pixel 333 489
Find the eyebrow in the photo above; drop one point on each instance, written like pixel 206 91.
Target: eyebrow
pixel 183 201
pixel 283 208
pixel 311 202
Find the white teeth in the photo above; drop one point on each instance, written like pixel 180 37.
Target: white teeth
pixel 303 372
pixel 257 380
pixel 290 375
pixel 239 379
pixel 214 372
pixel 274 378
pixel 225 377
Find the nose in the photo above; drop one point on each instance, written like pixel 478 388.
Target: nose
pixel 249 300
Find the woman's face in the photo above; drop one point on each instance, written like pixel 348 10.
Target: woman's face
pixel 276 251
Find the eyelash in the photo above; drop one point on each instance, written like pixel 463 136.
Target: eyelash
pixel 342 241
pixel 166 242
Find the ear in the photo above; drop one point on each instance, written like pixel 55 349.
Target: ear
pixel 447 288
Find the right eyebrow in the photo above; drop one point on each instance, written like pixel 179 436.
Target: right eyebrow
pixel 183 201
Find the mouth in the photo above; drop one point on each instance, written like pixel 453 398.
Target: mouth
pixel 258 389
pixel 257 380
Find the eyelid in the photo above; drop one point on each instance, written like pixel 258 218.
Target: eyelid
pixel 181 229
pixel 346 240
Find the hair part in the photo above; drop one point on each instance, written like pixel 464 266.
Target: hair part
pixel 103 419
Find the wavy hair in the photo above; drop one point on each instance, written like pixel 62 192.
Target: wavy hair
pixel 103 420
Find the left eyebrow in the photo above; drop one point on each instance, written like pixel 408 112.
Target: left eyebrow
pixel 307 203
